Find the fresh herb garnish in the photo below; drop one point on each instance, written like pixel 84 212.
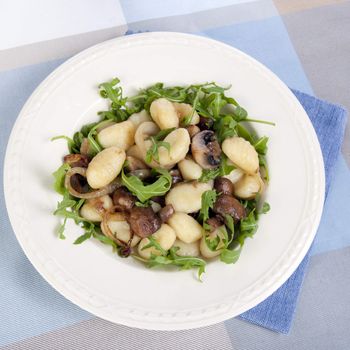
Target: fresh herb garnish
pixel 208 200
pixel 222 170
pixel 157 142
pixel 153 243
pixel 72 146
pixel 183 262
pixel 145 192
pixel 59 176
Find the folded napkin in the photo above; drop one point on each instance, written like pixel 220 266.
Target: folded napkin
pixel 276 312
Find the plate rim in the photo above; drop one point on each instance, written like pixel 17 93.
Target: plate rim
pixel 222 311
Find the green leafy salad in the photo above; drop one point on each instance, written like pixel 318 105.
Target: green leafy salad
pixel 172 176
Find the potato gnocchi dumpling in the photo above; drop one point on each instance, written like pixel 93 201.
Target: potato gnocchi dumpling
pixel 166 176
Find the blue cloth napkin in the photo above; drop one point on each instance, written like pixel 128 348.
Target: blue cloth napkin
pixel 276 312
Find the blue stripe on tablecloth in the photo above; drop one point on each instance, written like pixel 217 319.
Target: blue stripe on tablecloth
pixel 28 304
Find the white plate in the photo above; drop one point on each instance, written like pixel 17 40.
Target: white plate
pixel 122 290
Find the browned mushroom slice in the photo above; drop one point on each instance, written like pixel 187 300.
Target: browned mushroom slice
pixel 206 150
pixel 143 221
pixel 142 173
pixel 76 160
pixel 193 130
pixel 223 185
pixel 123 199
pixel 166 212
pixel 215 222
pixel 133 164
pixel 228 205
pixel 175 175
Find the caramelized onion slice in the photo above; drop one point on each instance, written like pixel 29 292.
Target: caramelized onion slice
pixel 111 187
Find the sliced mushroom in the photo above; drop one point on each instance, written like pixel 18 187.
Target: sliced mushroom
pixel 133 164
pixel 193 130
pixel 85 148
pixel 123 199
pixel 143 221
pixel 223 185
pixel 166 212
pixel 175 175
pixel 228 205
pixel 206 150
pixel 142 173
pixel 215 222
pixel 76 160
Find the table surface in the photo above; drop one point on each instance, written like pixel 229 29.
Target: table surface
pixel 305 42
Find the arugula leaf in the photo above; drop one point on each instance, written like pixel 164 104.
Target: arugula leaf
pixel 243 132
pixel 157 142
pixel 222 170
pixel 187 120
pixel 153 243
pixel 183 262
pixel 105 240
pixel 259 121
pixel 96 147
pixel 265 208
pixel 212 243
pixel 229 223
pixel 240 113
pixel 145 192
pixel 230 256
pixel 111 90
pixel 72 147
pixel 208 200
pixel 225 127
pixel 61 229
pixel 248 227
pixel 261 145
pixel 209 174
pixel 225 168
pixel 59 176
pixel 78 139
pixel 84 237
pixel 263 165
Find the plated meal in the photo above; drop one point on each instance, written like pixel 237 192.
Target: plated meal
pixel 172 176
pixel 120 210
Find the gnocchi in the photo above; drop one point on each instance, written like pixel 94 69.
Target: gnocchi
pixel 154 177
pixel 179 141
pixel 204 248
pixel 187 197
pixel 93 209
pixel 187 249
pixel 120 135
pixel 189 169
pixel 248 186
pixel 117 225
pixel 139 118
pixel 164 114
pixel 105 167
pixel 165 236
pixel 184 110
pixel 187 229
pixel 241 153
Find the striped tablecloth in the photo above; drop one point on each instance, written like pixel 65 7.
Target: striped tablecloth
pixel 305 42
